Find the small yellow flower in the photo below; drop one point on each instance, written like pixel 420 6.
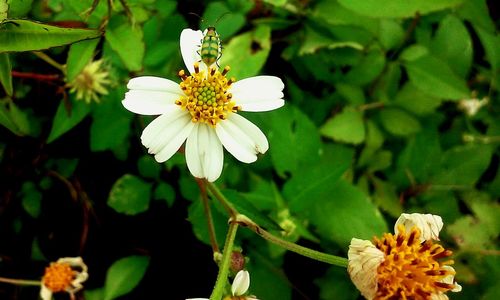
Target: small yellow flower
pixel 65 275
pixel 404 265
pixel 92 82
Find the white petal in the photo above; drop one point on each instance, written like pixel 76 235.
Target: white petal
pixel 260 93
pixel 164 135
pixel 151 95
pixel 151 83
pixel 241 283
pixel 190 45
pixel 429 225
pixel 45 293
pixel 204 153
pixel 364 259
pixel 450 279
pixel 241 138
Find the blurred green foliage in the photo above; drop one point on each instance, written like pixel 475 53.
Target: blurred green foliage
pixel 377 122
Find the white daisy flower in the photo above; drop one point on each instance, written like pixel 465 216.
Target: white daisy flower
pixel 203 111
pixel 404 265
pixel 65 275
pixel 240 286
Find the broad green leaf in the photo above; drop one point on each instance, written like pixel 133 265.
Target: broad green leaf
pixel 130 195
pixel 300 191
pixel 343 288
pixel 197 218
pixel 26 35
pixel 463 165
pixel 110 123
pixel 127 41
pixel 17 120
pixel 165 192
pixel 435 77
pixel 148 167
pixel 94 294
pixel 31 199
pixel 398 122
pixel 226 22
pixel 453 44
pixel 397 9
pixel 247 53
pixel 124 275
pixel 78 56
pixel 351 93
pixel 294 139
pixel 367 69
pixel 414 52
pixel 315 41
pixel 414 100
pixel 333 14
pixel 491 44
pixel 344 212
pixel 386 197
pixel 276 2
pixel 347 127
pixel 268 281
pixel 477 12
pixel 391 33
pixel 19 8
pixel 65 120
pixel 5 73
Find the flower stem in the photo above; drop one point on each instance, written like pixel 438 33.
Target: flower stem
pixel 208 214
pixel 50 61
pixel 224 265
pixel 304 251
pixel 21 281
pixel 233 212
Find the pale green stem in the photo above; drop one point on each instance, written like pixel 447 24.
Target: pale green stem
pixel 225 263
pixel 233 212
pixel 50 61
pixel 21 281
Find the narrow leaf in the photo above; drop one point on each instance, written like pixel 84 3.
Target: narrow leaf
pixel 64 120
pixel 78 56
pixel 124 275
pixel 5 73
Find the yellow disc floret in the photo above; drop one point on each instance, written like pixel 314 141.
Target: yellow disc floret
pixel 206 96
pixel 411 270
pixel 58 277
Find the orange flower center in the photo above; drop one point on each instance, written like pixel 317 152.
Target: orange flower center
pixel 206 96
pixel 58 277
pixel 411 269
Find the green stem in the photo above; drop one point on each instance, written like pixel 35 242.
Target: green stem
pixel 304 251
pixel 208 213
pixel 233 212
pixel 50 61
pixel 225 263
pixel 21 281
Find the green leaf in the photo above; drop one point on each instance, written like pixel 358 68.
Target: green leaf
pixel 294 139
pixel 165 192
pixel 127 41
pixel 351 93
pixel 216 14
pixel 268 281
pixel 25 35
pixel 65 120
pixel 386 197
pixel 247 53
pixel 124 275
pixel 414 100
pixel 369 68
pixel 435 77
pixel 315 41
pixel 4 8
pixel 491 44
pixel 453 44
pixel 130 195
pixel 477 12
pixel 19 8
pixel 5 73
pixel 316 183
pixel 78 56
pixel 197 218
pixel 94 294
pixel 398 122
pixel 397 9
pixel 31 199
pixel 342 289
pixel 347 127
pixel 344 212
pixel 463 165
pixel 391 33
pixel 414 52
pixel 148 167
pixel 20 122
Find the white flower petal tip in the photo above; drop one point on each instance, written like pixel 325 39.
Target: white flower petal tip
pixel 429 225
pixel 241 283
pixel 260 93
pixel 364 259
pixel 204 153
pixel 190 45
pixel 149 95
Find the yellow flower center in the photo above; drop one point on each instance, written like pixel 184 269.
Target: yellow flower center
pixel 206 96
pixel 411 269
pixel 58 277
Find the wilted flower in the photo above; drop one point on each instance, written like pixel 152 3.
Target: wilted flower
pixel 240 286
pixel 203 111
pixel 404 265
pixel 92 82
pixel 65 275
pixel 472 106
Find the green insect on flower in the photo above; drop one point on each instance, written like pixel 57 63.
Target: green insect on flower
pixel 211 49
